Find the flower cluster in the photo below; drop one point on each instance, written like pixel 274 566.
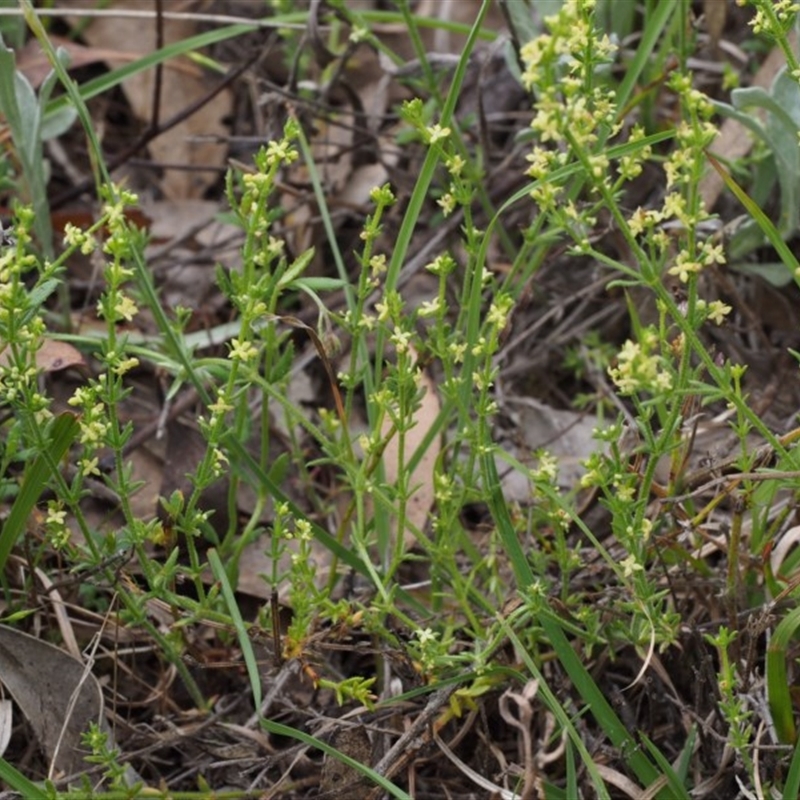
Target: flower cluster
pixel 575 115
pixel 441 139
pixel 21 326
pixel 640 367
pixel 773 17
pixel 114 304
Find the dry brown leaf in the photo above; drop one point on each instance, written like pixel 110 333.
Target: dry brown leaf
pixel 568 435
pixel 361 183
pixel 623 783
pixel 52 356
pixel 420 482
pixel 57 694
pixel 194 241
pixel 183 84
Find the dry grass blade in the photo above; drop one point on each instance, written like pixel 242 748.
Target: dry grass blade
pixel 475 777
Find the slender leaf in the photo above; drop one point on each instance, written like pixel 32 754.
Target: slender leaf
pixel 764 222
pixel 17 781
pixel 791 787
pixel 584 683
pixel 676 787
pixel 778 694
pixel 284 730
pixel 63 432
pixel 241 629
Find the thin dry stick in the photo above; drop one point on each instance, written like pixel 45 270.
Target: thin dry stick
pixel 407 746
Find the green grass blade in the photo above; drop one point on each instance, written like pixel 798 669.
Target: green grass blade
pixel 284 730
pixel 241 629
pixel 791 787
pixel 17 781
pixel 20 106
pixel 558 711
pixel 650 36
pixel 63 432
pixel 676 787
pixel 572 775
pixel 322 203
pixel 600 707
pixel 588 689
pixel 422 183
pixel 763 221
pixel 109 80
pixel 72 96
pixel 685 759
pixel 175 347
pixel 778 696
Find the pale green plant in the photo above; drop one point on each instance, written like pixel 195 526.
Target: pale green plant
pixel 581 161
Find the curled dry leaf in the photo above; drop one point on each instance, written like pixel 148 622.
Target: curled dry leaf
pixel 788 542
pixel 624 783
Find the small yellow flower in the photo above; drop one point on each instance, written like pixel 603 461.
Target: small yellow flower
pixel 56 515
pixel 435 133
pixel 457 351
pixel 89 466
pixel 455 165
pixel 126 365
pixel 429 308
pixel 278 152
pixel 637 221
pixel 547 469
pixel 717 311
pixel 684 267
pixel 447 202
pixel 401 340
pixel 377 264
pixel 712 254
pixel 219 407
pixel 275 247
pixel 125 308
pixel 303 530
pixel 674 206
pixel 625 493
pixel 639 369
pixel 242 351
pixel 630 565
